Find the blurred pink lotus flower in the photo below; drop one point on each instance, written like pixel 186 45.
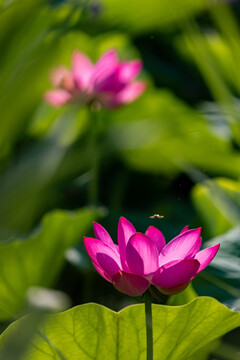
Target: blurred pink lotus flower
pixel 143 259
pixel 109 82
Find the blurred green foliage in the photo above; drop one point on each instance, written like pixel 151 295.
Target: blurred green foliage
pixel 174 151
pixel 37 260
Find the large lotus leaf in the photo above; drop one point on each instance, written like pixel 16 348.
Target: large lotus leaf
pixel 205 352
pixel 183 298
pixel 92 331
pixel 218 203
pixel 161 134
pixel 146 16
pixel 37 260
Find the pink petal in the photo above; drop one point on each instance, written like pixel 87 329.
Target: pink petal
pixel 102 234
pixel 186 228
pixel 107 61
pixel 111 82
pixel 102 272
pixel 103 256
pixel 82 70
pixel 184 246
pixel 173 290
pixel 105 66
pixel 175 273
pixel 129 70
pixel 57 97
pixel 125 231
pixel 130 284
pixel 58 74
pixel 141 255
pixel 116 78
pixel 205 256
pixel 156 236
pixel 130 93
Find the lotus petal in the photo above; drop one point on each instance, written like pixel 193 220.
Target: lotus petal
pixel 184 246
pixel 205 256
pixel 175 273
pixel 57 98
pixel 102 234
pixel 130 93
pixel 156 236
pixel 125 231
pixel 130 284
pixel 141 255
pixel 82 70
pixel 129 70
pixel 103 255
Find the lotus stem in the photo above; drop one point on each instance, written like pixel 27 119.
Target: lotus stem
pixel 149 331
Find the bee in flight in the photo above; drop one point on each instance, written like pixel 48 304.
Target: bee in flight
pixel 156 216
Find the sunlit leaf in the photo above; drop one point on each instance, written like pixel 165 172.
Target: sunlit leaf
pixel 205 351
pixel 94 332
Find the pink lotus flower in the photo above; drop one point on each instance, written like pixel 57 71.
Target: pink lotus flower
pixel 143 259
pixel 109 82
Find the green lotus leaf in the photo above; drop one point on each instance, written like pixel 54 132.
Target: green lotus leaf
pixel 92 331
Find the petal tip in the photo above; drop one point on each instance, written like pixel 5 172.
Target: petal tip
pixel 123 220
